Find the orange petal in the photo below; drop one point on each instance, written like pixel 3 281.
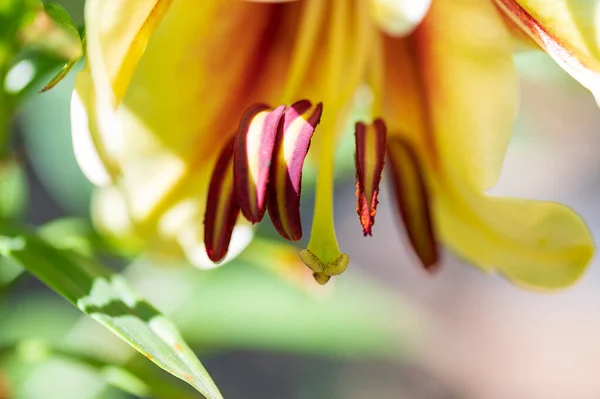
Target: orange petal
pixel 292 144
pixel 413 200
pixel 253 150
pixel 370 158
pixel 221 208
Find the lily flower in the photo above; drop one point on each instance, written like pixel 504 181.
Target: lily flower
pixel 195 118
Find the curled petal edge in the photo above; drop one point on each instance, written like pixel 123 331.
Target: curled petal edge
pixel 582 67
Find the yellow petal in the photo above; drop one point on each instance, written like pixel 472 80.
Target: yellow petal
pixel 464 55
pixel 567 30
pixel 117 35
pixel 465 58
pixel 84 128
pixel 535 244
pixel 185 100
pixel 521 40
pixel 176 236
pixel 197 74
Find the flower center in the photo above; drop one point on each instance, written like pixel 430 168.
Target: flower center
pixel 348 46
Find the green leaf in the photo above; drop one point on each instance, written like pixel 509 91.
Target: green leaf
pixel 60 75
pixel 62 19
pixel 53 32
pixel 108 300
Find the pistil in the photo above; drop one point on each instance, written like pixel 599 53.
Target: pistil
pixel 323 255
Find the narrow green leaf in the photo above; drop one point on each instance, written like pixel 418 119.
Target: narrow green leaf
pixel 63 21
pixel 107 299
pixel 64 71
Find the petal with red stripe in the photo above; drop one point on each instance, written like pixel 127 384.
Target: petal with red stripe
pixel 370 159
pixel 253 151
pixel 566 30
pixel 221 206
pixel 292 144
pixel 413 200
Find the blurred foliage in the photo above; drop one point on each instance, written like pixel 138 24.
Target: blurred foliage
pixel 49 149
pixel 35 38
pixel 13 183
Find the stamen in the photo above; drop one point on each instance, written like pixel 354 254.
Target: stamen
pixel 370 156
pixel 293 141
pixel 221 207
pixel 254 143
pixel 413 201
